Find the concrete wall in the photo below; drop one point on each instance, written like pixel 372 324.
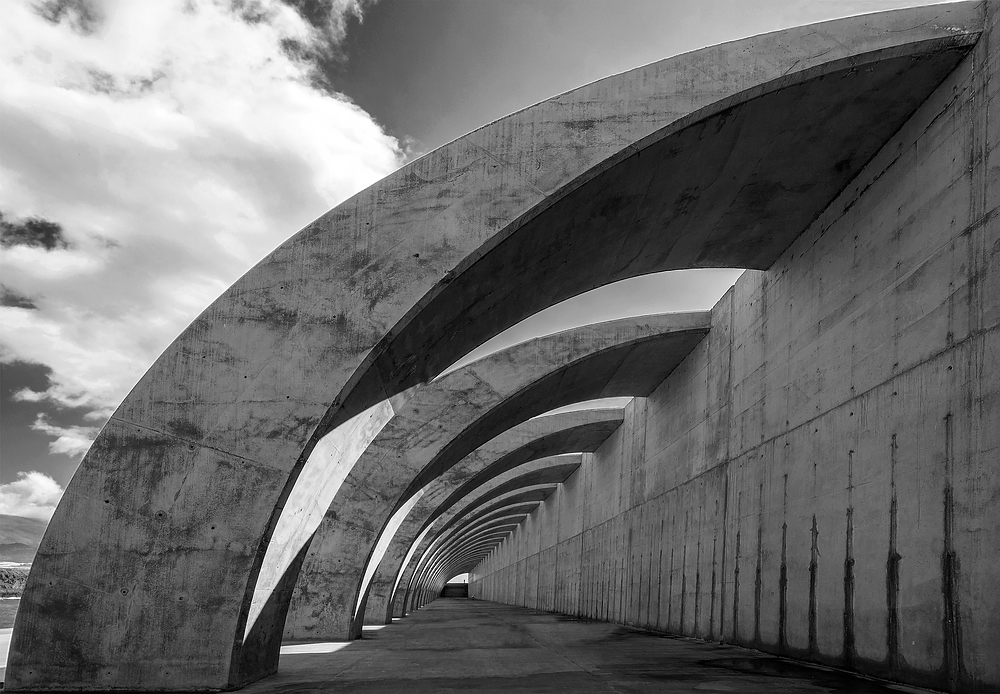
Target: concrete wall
pixel 820 477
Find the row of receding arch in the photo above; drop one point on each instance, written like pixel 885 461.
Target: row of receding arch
pixel 627 357
pixel 244 487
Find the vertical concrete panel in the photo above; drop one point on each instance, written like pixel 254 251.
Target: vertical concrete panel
pixel 831 511
pixel 531 581
pixel 767 590
pixel 572 500
pixel 871 478
pixel 818 477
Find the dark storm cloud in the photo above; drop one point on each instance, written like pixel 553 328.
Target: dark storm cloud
pixel 82 15
pixel 324 57
pixel 14 299
pixel 319 13
pixel 34 232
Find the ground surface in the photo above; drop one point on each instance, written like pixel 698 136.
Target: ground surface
pixel 467 645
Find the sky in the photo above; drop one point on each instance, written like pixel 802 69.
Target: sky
pixel 151 153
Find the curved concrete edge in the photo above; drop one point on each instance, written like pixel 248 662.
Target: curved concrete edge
pixel 545 473
pixel 577 431
pixel 435 430
pixel 183 441
pixel 729 241
pixel 511 499
pixel 406 587
pixel 462 543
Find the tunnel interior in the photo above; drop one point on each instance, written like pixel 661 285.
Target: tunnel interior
pixel 803 475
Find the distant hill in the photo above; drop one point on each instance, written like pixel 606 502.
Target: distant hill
pixel 16 551
pixel 19 537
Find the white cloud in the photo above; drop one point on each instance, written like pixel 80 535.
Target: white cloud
pixel 32 495
pixel 176 144
pixel 73 441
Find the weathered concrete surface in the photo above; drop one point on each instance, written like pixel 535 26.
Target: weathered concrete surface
pixel 578 431
pixel 447 420
pixel 473 646
pixel 819 478
pixel 720 157
pixel 532 481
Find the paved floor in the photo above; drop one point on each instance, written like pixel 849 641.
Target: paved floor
pixel 457 645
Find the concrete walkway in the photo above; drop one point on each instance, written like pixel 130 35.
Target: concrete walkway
pixel 467 645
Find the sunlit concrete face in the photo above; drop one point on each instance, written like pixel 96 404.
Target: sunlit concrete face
pixel 530 482
pixel 721 157
pixel 539 437
pixel 818 480
pixel 451 418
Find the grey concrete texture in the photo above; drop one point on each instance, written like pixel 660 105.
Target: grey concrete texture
pixel 445 421
pixel 515 486
pixel 578 431
pixel 405 595
pixel 819 478
pixel 460 645
pixel 513 489
pixel 720 157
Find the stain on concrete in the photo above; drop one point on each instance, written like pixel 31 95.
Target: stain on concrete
pixel 849 654
pixel 892 563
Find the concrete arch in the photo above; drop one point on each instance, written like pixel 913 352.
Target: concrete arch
pixel 461 542
pixel 445 421
pixel 471 529
pixel 287 377
pixel 519 509
pixel 473 534
pixel 406 591
pixel 538 476
pixel 463 551
pixel 478 546
pixel 577 431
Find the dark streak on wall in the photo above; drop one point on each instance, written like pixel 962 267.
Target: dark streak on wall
pixel 783 579
pixel 860 372
pixel 892 572
pixel 849 649
pixel 952 625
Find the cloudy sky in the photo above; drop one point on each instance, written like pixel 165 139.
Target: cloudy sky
pixel 151 152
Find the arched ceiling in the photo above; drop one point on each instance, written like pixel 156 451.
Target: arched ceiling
pixel 577 431
pixel 271 397
pixel 436 429
pixel 532 481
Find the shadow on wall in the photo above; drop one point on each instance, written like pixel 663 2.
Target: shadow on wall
pixel 390 288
